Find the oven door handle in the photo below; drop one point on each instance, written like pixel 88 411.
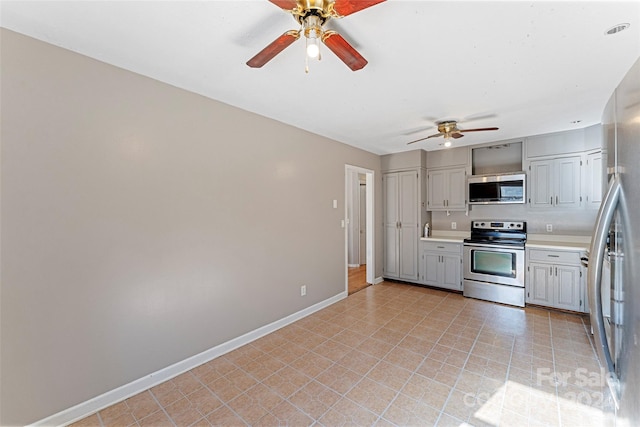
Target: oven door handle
pixel 491 246
pixel 594 281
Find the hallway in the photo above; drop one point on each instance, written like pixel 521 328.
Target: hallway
pixel 357 278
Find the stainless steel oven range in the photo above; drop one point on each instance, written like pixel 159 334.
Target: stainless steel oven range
pixel 493 261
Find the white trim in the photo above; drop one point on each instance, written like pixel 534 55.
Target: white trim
pixel 119 394
pixel 378 280
pixel 370 227
pixel 353 265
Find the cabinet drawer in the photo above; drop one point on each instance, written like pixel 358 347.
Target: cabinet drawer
pixel 442 247
pixel 562 257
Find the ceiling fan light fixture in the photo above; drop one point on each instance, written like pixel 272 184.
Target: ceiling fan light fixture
pixel 313 47
pixel 447 141
pixel 312 28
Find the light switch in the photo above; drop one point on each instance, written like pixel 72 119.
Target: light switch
pixel 335 204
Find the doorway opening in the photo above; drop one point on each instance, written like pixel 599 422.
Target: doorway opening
pixel 359 228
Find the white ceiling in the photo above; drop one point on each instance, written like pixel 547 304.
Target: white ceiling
pixel 526 67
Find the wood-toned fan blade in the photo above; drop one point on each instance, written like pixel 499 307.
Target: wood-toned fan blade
pixel 477 130
pixel 427 137
pixel 277 46
pixel 456 135
pixel 413 132
pixel 285 4
pixel 347 7
pixel 343 50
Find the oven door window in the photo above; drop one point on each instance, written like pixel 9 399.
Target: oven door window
pixel 494 263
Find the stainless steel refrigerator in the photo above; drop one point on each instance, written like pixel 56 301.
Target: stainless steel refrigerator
pixel 615 312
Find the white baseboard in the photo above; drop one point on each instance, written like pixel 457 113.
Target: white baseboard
pixel 119 394
pixel 378 280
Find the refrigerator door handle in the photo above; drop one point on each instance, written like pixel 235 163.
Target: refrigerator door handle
pixel 594 281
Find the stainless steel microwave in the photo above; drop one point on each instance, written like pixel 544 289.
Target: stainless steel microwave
pixel 497 189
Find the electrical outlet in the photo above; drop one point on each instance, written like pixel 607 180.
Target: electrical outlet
pixel 549 228
pixel 454 225
pixel 303 290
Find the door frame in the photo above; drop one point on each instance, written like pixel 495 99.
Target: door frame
pixel 370 234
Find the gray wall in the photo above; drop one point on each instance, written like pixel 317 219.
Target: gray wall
pixel 143 224
pixel 577 222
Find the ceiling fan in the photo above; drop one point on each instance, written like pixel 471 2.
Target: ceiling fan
pixel 449 129
pixel 312 15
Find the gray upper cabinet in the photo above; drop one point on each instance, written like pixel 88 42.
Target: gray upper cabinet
pixel 594 178
pixel 566 169
pixel 555 182
pixel 447 189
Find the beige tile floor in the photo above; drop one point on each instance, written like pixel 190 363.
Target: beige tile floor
pixel 391 355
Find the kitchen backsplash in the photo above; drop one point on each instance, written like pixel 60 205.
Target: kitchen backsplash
pixel 576 222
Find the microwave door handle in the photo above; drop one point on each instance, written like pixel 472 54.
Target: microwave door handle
pixel 594 280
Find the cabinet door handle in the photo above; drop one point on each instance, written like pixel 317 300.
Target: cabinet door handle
pixel 550 271
pixel 551 201
pixel 440 247
pixel 556 200
pixel 553 256
pixel 556 271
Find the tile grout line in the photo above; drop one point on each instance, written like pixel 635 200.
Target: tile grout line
pixel 506 380
pixel 344 395
pixel 102 422
pixel 399 307
pixel 413 373
pixel 555 374
pixel 444 405
pixel 162 408
pixel 397 393
pixel 225 403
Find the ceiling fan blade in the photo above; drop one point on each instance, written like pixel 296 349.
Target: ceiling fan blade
pixel 414 131
pixel 277 46
pixel 343 50
pixel 285 4
pixel 456 135
pixel 427 137
pixel 476 130
pixel 347 7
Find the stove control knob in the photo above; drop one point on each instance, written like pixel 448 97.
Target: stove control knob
pixel 519 225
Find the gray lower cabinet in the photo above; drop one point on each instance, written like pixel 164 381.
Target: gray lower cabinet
pixel 441 264
pixel 555 279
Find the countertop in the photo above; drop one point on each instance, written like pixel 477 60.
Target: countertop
pixel 539 241
pixel 446 236
pixel 572 243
